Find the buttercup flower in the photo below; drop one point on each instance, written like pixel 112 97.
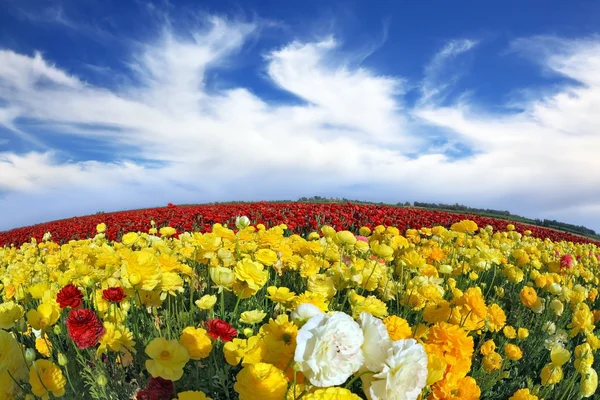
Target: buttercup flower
pixel 261 381
pixel 168 358
pixel 45 377
pixel 197 342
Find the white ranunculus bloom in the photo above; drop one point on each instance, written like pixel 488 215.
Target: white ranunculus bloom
pixel 328 349
pixel 404 373
pixel 377 341
pixel 304 312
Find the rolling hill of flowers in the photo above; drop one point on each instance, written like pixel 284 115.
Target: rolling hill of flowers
pixel 297 301
pixel 299 217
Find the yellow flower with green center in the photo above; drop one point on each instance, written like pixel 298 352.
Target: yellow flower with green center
pixel 168 358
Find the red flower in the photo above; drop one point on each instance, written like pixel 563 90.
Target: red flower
pixel 157 389
pixel 113 294
pixel 69 296
pixel 219 329
pixel 85 328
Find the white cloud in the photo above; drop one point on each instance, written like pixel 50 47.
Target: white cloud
pixel 350 135
pixel 438 76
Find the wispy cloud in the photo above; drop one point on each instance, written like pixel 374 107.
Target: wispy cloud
pixel 440 73
pixel 349 129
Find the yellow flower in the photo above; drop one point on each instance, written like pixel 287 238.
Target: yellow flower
pixel 141 270
pixel 321 284
pixel 116 338
pixel 528 296
pixel 492 362
pixel 261 381
pixel 370 304
pixel 197 342
pixel 332 393
pixel 523 333
pixel 222 277
pixel 583 358
pixel 192 395
pixel 168 358
pixel 312 298
pixel 46 377
pixel 589 383
pixel 523 394
pixel 551 374
pixel 398 328
pixel 43 346
pixel 496 318
pixel 236 349
pixel 513 352
pixel 345 238
pixel 559 355
pixel 44 316
pixel 266 256
pixel 281 295
pixel 582 320
pixel 465 226
pixel 488 347
pixel 129 239
pixel 437 312
pixel 250 276
pixel 167 231
pixel 252 317
pixel 509 332
pixel 9 314
pixel 456 345
pixel 206 302
pixel 101 228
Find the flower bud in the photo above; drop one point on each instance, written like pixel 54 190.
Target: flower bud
pixel 30 355
pixel 242 222
pixel 57 330
pixel 101 380
pixel 62 359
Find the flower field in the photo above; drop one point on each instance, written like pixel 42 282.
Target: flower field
pixel 297 301
pixel 300 218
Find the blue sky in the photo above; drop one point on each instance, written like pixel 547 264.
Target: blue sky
pixel 111 105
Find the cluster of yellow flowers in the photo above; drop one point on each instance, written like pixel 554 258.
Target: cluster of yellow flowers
pixel 257 313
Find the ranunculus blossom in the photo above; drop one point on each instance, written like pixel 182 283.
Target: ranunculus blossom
pixel 157 389
pixel 113 294
pixel 219 329
pixel 85 328
pixel 328 349
pixel 69 296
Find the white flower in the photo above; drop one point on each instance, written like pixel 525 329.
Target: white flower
pixel 377 341
pixel 47 236
pixel 242 222
pixel 304 312
pixel 328 349
pixel 404 373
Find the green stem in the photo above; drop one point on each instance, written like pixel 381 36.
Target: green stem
pixel 356 377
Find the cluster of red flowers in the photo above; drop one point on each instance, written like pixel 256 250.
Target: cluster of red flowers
pixel 299 217
pixel 84 326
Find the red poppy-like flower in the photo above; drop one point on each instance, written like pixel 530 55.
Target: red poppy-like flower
pixel 85 328
pixel 566 261
pixel 157 389
pixel 113 294
pixel 219 329
pixel 69 296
